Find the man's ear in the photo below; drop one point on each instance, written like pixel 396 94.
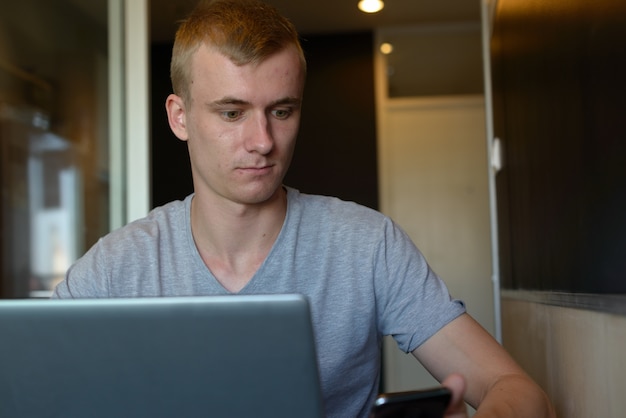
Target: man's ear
pixel 176 116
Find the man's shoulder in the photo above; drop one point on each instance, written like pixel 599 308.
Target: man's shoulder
pixel 335 214
pixel 331 204
pixel 166 219
pixel 176 208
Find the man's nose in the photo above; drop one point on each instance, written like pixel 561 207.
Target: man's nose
pixel 259 135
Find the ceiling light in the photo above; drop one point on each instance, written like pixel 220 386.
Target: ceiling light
pixel 386 48
pixel 371 6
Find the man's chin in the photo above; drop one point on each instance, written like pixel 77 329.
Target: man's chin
pixel 262 196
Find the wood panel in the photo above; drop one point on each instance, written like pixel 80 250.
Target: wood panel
pixel 559 105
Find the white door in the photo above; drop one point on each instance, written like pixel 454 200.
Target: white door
pixel 434 183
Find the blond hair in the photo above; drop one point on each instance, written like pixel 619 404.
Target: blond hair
pixel 245 31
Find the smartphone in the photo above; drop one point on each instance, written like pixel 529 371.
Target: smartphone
pixel 425 403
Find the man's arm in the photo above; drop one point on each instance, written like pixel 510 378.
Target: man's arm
pixel 494 383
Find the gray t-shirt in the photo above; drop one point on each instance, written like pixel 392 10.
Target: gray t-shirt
pixel 362 274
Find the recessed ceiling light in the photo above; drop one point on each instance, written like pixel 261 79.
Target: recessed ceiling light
pixel 386 48
pixel 371 6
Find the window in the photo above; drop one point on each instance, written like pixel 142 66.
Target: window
pixel 55 131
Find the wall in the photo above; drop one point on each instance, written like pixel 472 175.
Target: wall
pixel 558 82
pixel 171 171
pixel 558 108
pixel 576 355
pixel 336 149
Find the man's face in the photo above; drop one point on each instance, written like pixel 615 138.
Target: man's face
pixel 240 123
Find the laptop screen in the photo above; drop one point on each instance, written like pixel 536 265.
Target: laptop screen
pixel 218 356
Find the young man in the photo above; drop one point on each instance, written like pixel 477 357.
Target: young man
pixel 238 73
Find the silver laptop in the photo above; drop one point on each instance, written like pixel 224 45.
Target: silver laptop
pixel 218 356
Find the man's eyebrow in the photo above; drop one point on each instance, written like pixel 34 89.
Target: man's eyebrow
pixel 229 101
pixel 287 101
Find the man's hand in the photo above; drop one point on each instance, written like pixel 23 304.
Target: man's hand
pixel 457 407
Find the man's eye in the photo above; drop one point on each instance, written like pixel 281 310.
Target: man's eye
pixel 231 114
pixel 281 113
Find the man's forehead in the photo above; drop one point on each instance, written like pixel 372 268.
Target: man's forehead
pixel 224 95
pixel 210 53
pixel 282 69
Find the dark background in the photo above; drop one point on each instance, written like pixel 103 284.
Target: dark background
pixel 559 71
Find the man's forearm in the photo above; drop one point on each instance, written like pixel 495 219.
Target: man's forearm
pixel 515 396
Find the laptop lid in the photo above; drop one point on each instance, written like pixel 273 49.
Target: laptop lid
pixel 218 356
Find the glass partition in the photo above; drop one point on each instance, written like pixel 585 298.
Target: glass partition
pixel 54 138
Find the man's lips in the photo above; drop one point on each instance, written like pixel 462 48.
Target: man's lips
pixel 257 168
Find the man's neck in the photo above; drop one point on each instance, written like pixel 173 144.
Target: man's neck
pixel 234 240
